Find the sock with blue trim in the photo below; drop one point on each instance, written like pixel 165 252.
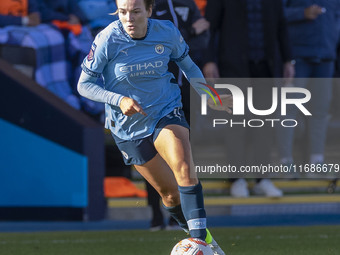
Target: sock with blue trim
pixel 177 213
pixel 193 210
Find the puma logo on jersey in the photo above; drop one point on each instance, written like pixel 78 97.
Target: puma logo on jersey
pixel 125 52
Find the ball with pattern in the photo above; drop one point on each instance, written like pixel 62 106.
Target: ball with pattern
pixel 191 246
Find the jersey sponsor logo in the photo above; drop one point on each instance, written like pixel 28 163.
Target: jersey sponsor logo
pixel 141 67
pixel 181 39
pixel 161 13
pixel 91 53
pixel 159 48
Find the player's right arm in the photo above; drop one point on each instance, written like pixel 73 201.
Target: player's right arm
pixel 92 68
pixel 88 88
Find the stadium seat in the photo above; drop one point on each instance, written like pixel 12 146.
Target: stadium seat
pixel 22 58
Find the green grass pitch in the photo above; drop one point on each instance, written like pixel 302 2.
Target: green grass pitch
pixel 313 240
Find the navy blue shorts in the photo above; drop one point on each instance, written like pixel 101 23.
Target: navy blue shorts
pixel 140 151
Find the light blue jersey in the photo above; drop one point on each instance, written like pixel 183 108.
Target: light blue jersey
pixel 138 69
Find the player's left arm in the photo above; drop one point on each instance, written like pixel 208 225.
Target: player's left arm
pixel 193 73
pixel 197 81
pixel 191 70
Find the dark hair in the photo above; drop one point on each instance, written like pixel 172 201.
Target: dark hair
pixel 148 4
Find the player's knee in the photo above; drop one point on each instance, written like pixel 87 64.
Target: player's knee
pixel 183 170
pixel 183 175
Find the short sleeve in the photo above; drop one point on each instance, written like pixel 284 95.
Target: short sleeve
pixel 95 62
pixel 180 48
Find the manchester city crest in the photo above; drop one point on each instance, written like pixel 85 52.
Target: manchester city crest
pixel 159 48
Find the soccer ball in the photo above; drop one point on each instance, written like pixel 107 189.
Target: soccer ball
pixel 191 246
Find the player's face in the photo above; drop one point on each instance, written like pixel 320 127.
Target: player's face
pixel 134 17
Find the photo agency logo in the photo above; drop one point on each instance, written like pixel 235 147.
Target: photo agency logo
pixel 289 97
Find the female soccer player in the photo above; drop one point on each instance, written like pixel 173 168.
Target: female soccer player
pixel 143 107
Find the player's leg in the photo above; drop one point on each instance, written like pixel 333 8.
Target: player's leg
pixel 160 176
pixel 172 143
pixel 143 154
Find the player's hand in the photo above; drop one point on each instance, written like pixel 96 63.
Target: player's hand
pixel 130 107
pixel 227 103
